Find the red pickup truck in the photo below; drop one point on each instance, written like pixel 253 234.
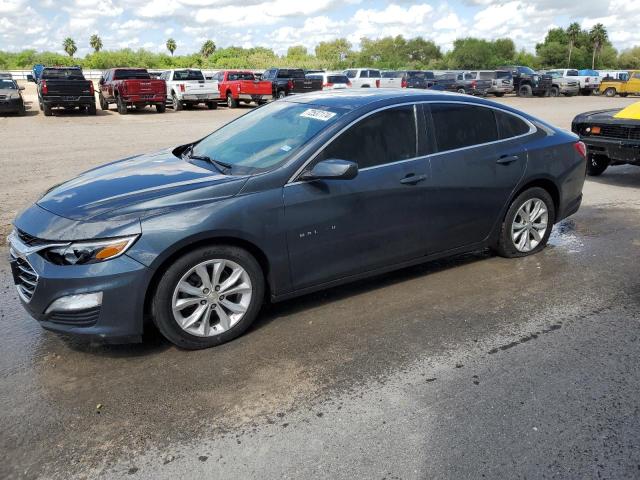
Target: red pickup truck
pixel 237 85
pixel 131 87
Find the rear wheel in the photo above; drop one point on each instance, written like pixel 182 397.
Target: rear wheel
pixel 208 296
pixel 499 94
pixel 122 107
pixel 525 91
pixel 586 92
pixel 596 165
pixel 527 224
pixel 177 104
pixel 610 92
pixel 555 92
pixel 91 109
pixel 212 105
pixel 22 110
pixel 461 90
pixel 160 107
pixel 282 93
pixel 231 102
pixel 623 95
pixel 47 110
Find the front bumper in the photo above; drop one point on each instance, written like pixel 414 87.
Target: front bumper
pixel 12 105
pixel 623 151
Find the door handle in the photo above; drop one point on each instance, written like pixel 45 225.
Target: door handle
pixel 507 159
pixel 412 179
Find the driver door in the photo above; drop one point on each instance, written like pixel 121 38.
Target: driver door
pixel 337 228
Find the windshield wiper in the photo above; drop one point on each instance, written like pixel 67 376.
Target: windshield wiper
pixel 217 163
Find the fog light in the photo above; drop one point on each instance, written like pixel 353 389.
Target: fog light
pixel 70 303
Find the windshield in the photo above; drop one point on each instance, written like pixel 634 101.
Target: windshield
pixel 4 83
pixel 337 79
pixel 526 70
pixel 351 73
pixel 188 75
pixel 572 73
pixel 126 74
pixel 62 73
pixel 554 74
pixel 503 74
pixel 267 136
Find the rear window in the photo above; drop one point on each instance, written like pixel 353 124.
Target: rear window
pixel 374 73
pixel 503 74
pixel 337 79
pixel 572 73
pixel 458 126
pixel 510 125
pixel 390 75
pixel 62 74
pixel 5 83
pixel 298 73
pixel 128 74
pixel 487 75
pixel 241 76
pixel 421 75
pixel 188 75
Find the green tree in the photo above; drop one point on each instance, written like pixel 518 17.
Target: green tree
pixel 208 48
pixel 171 45
pixel 573 32
pixel 335 54
pixel 420 52
pixel 95 42
pixel 69 46
pixel 598 35
pixel 630 58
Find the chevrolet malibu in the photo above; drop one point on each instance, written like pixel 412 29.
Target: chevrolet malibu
pixel 299 195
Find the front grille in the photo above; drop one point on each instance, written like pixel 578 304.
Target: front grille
pixel 619 131
pixel 82 318
pixel 24 276
pixel 2 97
pixel 29 240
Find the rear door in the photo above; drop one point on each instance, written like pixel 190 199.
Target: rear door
pixel 479 161
pixel 339 228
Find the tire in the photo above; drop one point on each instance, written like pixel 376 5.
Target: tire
pixel 231 102
pixel 623 95
pixel 161 107
pixel 499 94
pixel 586 92
pixel 195 336
pixel 122 107
pixel 212 105
pixel 461 90
pixel 596 165
pixel 177 104
pixel 506 246
pixel 91 109
pixel 22 111
pixel 104 105
pixel 525 91
pixel 555 92
pixel 281 94
pixel 47 110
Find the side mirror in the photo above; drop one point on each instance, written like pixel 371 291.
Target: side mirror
pixel 30 78
pixel 332 169
pixel 101 81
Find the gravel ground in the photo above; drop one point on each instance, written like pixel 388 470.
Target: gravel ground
pixel 473 367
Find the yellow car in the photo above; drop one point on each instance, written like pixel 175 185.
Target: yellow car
pixel 623 88
pixel 612 137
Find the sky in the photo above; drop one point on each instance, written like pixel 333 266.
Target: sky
pixel 278 24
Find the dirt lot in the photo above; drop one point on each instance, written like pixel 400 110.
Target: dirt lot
pixel 474 367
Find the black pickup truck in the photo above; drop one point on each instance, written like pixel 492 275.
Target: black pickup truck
pixel 527 82
pixel 289 81
pixel 65 87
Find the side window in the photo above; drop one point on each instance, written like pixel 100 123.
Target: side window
pixel 510 125
pixel 636 75
pixel 383 137
pixel 364 73
pixel 458 125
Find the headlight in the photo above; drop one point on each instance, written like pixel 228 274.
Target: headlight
pixel 83 253
pixel 536 78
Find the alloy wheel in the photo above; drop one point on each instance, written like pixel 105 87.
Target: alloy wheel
pixel 529 225
pixel 211 297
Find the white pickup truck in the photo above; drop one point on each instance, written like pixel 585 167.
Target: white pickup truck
pixel 364 77
pixel 588 83
pixel 187 87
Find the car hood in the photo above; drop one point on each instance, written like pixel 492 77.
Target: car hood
pixel 614 116
pixel 8 91
pixel 139 184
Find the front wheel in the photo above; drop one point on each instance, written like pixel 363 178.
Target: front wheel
pixel 527 224
pixel 231 102
pixel 610 92
pixel 596 165
pixel 499 94
pixel 208 296
pixel 555 92
pixel 122 106
pixel 525 91
pixel 103 103
pixel 177 104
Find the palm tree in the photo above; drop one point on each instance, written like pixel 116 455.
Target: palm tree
pixel 598 35
pixel 573 32
pixel 171 46
pixel 95 42
pixel 208 48
pixel 69 46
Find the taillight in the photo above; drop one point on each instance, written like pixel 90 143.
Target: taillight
pixel 327 85
pixel 581 148
pixel 182 87
pixel 403 84
pixel 43 87
pixel 348 83
pixel 91 90
pixel 238 88
pixel 474 84
pixel 290 84
pixel 377 83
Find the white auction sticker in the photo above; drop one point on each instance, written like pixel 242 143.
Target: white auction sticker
pixel 321 115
